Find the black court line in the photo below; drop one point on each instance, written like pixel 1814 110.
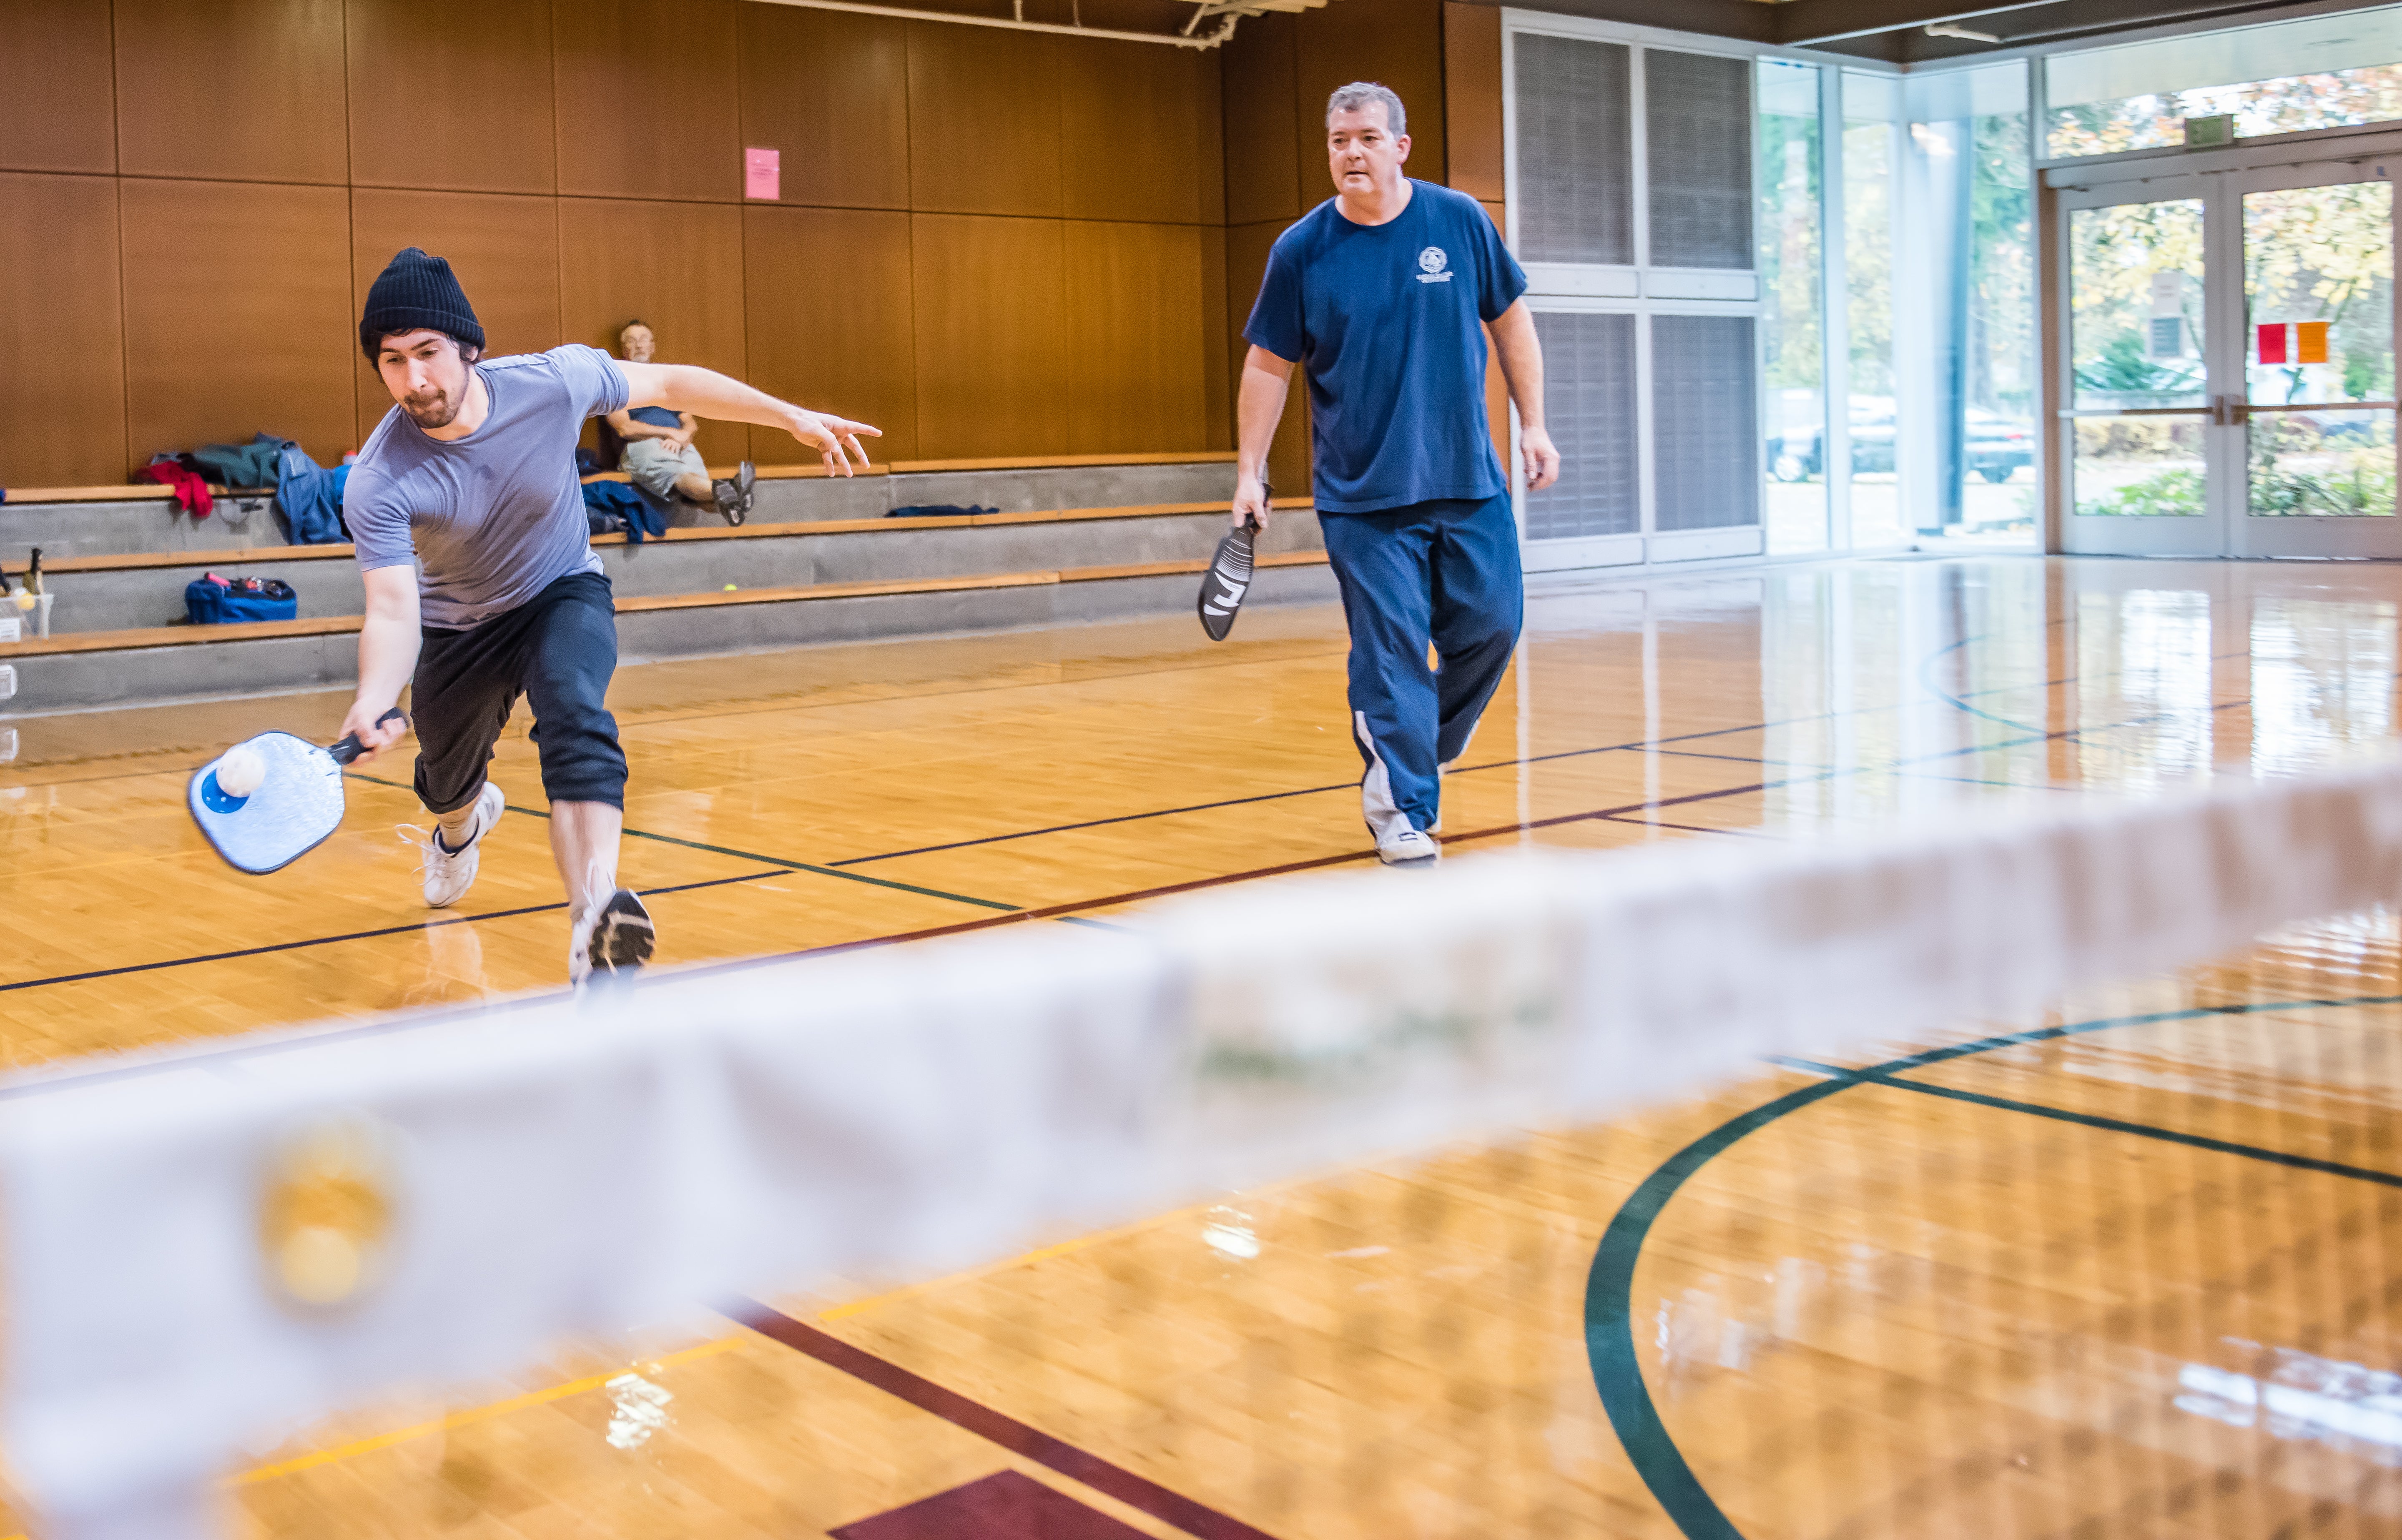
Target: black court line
pixel 1088 823
pixel 1320 790
pixel 1760 760
pixel 1009 913
pixel 1633 822
pixel 2088 1120
pixel 633 834
pixel 1609 1285
pixel 1012 911
pixel 1196 885
pixel 41 1080
pixel 1640 744
pixel 359 935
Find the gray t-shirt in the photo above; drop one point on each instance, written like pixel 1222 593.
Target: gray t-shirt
pixel 493 518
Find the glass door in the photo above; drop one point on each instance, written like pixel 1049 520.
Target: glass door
pixel 2229 339
pixel 2318 401
pixel 2139 442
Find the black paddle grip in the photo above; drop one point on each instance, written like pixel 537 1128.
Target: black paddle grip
pixel 351 748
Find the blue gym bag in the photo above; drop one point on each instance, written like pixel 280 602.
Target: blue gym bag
pixel 214 600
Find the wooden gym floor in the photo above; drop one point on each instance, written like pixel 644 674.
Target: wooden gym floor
pixel 2123 1272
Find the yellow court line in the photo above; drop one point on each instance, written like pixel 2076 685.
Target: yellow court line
pixel 473 1415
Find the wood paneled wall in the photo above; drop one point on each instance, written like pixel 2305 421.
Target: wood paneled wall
pixel 989 242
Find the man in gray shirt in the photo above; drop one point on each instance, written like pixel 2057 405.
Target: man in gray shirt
pixel 482 585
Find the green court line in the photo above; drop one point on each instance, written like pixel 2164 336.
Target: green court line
pixel 2111 1125
pixel 1609 1285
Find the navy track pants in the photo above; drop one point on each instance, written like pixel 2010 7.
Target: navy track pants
pixel 1443 572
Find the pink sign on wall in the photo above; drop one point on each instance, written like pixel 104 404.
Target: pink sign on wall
pixel 763 174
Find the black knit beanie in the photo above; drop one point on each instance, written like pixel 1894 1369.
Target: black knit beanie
pixel 415 290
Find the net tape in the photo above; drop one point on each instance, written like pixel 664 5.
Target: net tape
pixel 561 1167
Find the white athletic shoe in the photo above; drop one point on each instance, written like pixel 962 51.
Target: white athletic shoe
pixel 617 940
pixel 449 874
pixel 1408 848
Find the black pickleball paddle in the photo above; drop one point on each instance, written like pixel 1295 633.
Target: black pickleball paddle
pixel 1229 577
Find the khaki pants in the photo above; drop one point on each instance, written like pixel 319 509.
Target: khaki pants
pixel 655 465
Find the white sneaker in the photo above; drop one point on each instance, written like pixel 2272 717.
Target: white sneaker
pixel 1408 848
pixel 617 940
pixel 449 874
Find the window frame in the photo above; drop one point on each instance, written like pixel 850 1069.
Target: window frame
pixel 1646 291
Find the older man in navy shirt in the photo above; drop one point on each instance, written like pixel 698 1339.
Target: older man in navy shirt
pixel 1382 294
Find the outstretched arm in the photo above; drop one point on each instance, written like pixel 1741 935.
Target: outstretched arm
pixel 1521 365
pixel 705 393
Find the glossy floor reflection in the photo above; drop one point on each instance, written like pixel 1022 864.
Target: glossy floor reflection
pixel 2127 1270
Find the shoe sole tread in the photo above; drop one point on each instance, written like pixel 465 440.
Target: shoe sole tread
pixel 622 939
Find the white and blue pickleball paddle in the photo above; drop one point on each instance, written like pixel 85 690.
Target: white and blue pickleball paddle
pixel 296 804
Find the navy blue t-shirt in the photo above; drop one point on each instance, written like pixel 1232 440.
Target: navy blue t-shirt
pixel 1384 321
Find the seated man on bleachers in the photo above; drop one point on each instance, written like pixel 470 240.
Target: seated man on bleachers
pixel 659 455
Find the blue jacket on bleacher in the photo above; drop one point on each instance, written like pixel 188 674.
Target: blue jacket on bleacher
pixel 311 497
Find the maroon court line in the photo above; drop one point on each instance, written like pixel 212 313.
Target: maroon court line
pixel 1134 1491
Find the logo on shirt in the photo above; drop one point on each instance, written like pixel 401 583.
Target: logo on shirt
pixel 1432 264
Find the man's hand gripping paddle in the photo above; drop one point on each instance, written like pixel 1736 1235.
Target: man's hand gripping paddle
pixel 1229 577
pixel 296 802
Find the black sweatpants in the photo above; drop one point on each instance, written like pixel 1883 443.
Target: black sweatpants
pixel 557 650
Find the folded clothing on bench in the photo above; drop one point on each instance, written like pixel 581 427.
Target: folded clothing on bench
pixel 191 487
pixel 615 507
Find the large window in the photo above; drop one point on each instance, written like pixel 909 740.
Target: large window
pixel 1788 302
pixel 1792 329
pixel 1871 165
pixel 2322 72
pixel 1975 201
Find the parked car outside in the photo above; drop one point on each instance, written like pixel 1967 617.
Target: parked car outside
pixel 1996 445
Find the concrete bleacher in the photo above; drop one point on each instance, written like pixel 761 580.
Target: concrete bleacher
pixel 1077 540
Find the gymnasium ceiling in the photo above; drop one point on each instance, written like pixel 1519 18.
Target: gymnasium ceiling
pixel 1896 30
